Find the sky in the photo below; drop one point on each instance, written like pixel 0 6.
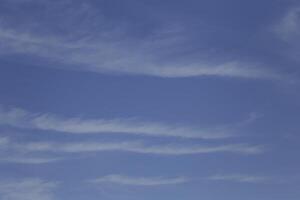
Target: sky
pixel 149 99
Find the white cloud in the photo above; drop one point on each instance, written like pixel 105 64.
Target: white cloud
pixel 24 159
pixel 27 189
pixel 137 147
pixel 3 141
pixel 238 178
pixel 23 119
pixel 27 148
pixel 116 52
pixel 288 28
pixel 9 153
pixel 139 181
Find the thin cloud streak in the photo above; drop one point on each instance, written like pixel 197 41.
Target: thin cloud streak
pixel 23 119
pixel 28 160
pixel 138 147
pixel 9 153
pixel 288 28
pixel 39 152
pixel 238 178
pixel 129 146
pixel 27 189
pixel 139 181
pixel 97 53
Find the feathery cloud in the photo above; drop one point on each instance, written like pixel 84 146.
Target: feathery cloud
pixel 288 28
pixel 27 189
pixel 24 159
pixel 9 153
pixel 23 119
pixel 113 50
pixel 139 181
pixel 137 147
pixel 25 152
pixel 238 178
pixel 102 57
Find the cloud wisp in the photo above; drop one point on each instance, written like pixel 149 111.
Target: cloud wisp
pixel 48 152
pixel 139 181
pixel 288 28
pixel 114 51
pixel 131 146
pixel 38 152
pixel 27 189
pixel 22 119
pixel 10 153
pixel 121 60
pixel 241 178
pixel 28 160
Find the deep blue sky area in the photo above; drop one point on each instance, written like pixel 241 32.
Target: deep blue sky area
pixel 148 99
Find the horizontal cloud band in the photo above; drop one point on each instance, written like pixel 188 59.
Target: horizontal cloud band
pixel 23 119
pixel 135 147
pixel 139 181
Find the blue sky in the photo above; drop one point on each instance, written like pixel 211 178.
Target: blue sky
pixel 137 99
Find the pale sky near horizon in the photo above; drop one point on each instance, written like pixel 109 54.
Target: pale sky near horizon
pixel 149 99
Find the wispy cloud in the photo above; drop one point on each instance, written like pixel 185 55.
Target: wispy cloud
pixel 139 181
pixel 15 150
pixel 239 178
pixel 27 189
pixel 25 159
pixel 137 147
pixel 24 119
pixel 10 153
pixel 288 28
pixel 116 52
pixel 117 59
